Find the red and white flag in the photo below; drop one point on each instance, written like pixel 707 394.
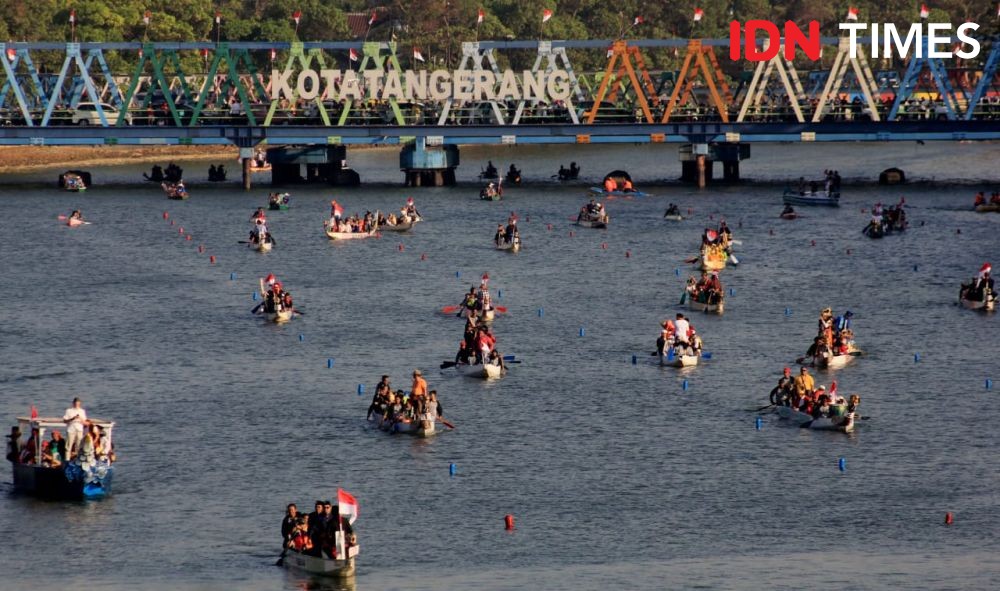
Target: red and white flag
pixel 347 505
pixel 986 268
pixel 72 16
pixel 11 53
pixel 480 16
pixel 546 15
pixel 218 17
pixel 270 279
pixel 638 21
pixel 486 278
pixel 698 13
pixel 371 21
pixel 409 201
pixel 353 55
pixel 34 412
pixel 337 209
pixel 417 55
pixel 296 16
pixel 852 13
pixel 146 16
pixel 924 11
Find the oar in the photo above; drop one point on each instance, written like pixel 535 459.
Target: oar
pixel 257 308
pixel 446 423
pixel 509 357
pixel 737 242
pixel 691 260
pixel 735 260
pixel 501 309
pixel 764 407
pixel 243 242
pixel 299 312
pixel 683 297
pixel 706 355
pixel 450 309
pixel 447 364
pixel 281 559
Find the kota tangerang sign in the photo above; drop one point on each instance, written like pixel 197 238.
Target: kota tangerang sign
pixel 410 85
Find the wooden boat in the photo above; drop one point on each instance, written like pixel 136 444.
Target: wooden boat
pixel 175 191
pixel 987 304
pixel 512 246
pixel 254 168
pixel 670 360
pixel 416 427
pixel 349 235
pixel 488 371
pixel 321 565
pixel 262 246
pixel 988 208
pixel 840 420
pixel 73 182
pixel 73 480
pixel 593 221
pixel 695 306
pixel 400 226
pixel 279 316
pixel 812 198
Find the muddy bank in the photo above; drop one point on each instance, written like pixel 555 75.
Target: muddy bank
pixel 29 158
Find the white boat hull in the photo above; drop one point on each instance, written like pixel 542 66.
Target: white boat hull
pixel 593 223
pixel 417 428
pixel 843 423
pixel 509 246
pixel 809 198
pixel 320 565
pixel 280 316
pixel 696 306
pixel 485 372
pixel 400 226
pixel 987 305
pixel 679 360
pixel 348 235
pixel 674 218
pixel 264 246
pixel 833 361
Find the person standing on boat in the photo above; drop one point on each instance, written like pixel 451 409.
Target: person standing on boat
pixel 288 523
pixel 681 328
pixel 483 301
pixel 804 385
pixel 419 385
pixel 983 281
pixel 842 323
pixel 782 393
pixel 75 418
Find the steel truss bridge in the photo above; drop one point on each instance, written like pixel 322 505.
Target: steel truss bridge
pixel 151 99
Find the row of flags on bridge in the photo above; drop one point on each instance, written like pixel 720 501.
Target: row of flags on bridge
pixel 852 15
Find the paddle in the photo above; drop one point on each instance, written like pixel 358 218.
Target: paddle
pixel 447 364
pixel 501 309
pixel 509 357
pixel 257 308
pixel 764 407
pixel 735 260
pixel 450 309
pixel 299 312
pixel 243 242
pixel 683 298
pixel 691 260
pixel 281 559
pixel 446 423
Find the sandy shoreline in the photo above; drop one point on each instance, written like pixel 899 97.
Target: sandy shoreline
pixel 31 158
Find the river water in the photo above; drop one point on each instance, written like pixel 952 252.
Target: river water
pixel 617 476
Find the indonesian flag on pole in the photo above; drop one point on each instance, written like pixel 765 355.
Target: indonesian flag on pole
pixel 417 56
pixel 638 21
pixel 986 268
pixel 146 16
pixel 486 278
pixel 72 15
pixel 347 505
pixel 337 209
pixel 371 21
pixel 34 412
pixel 852 13
pixel 480 16
pixel 218 17
pixel 296 16
pixel 924 11
pixel 353 55
pixel 698 13
pixel 11 53
pixel 546 15
pixel 409 201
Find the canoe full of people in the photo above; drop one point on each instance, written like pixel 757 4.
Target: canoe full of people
pixel 673 213
pixel 833 347
pixel 477 303
pixel 593 215
pixel 73 182
pixel 705 294
pixel 277 305
pixel 416 413
pixel 981 205
pixel 176 190
pixel 322 542
pixel 799 400
pixel 278 201
pixel 825 192
pixel 477 355
pixel 678 344
pixel 407 218
pixel 260 237
pixel 353 228
pixel 979 294
pixel 508 237
pixel 716 248
pixel 618 183
pixel 75 462
pixel 886 220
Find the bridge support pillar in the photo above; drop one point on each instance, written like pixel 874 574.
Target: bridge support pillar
pixel 428 166
pixel 311 164
pixel 247 175
pixel 697 162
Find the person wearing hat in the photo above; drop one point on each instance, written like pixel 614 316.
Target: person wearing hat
pixel 825 321
pixel 14 444
pixel 821 404
pixel 419 386
pixel 782 393
pixel 842 323
pixel 804 385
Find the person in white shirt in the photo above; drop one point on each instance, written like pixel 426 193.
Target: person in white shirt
pixel 681 326
pixel 75 418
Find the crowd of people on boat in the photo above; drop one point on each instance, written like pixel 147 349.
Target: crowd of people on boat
pixel 73 182
pixel 315 534
pixel 491 191
pixel 477 303
pixel 886 220
pixel 86 443
pixel 508 234
pixel 979 288
pixel 612 185
pixel 678 337
pixel 830 184
pixel 592 211
pixel 717 244
pixel 478 345
pixel 835 336
pixel 276 299
pixel 392 407
pixel 672 211
pixel 277 200
pixel 407 214
pixel 258 228
pixel 706 289
pixel 568 174
pixel 801 393
pixel 993 200
pixel 352 224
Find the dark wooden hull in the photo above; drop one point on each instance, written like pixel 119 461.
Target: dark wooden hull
pixel 52 483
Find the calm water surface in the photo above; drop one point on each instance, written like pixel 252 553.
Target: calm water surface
pixel 618 477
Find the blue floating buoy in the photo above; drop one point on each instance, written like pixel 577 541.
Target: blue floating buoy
pixel 232 276
pixel 541 312
pixel 732 291
pixel 914 267
pixel 989 383
pixel 499 293
pixel 788 311
pixel 635 360
pixel 361 389
pixel 842 464
pixel 458 273
pixel 254 296
pixel 684 385
pixel 452 469
pixel 916 357
pixel 582 331
pixel 759 423
pixel 677 272
pixel 302 337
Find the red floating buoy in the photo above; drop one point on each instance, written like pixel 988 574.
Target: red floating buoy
pixel 423 257
pixel 188 237
pixel 166 215
pixel 948 518
pixel 508 521
pixel 400 248
pixel 201 248
pixel 211 259
pixel 604 246
pixel 548 226
pixel 812 243
pixel 628 254
pixel 571 233
pixel 180 230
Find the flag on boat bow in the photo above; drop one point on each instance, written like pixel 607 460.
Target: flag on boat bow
pixel 347 505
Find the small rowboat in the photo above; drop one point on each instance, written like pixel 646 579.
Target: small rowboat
pixel 175 191
pixel 987 304
pixel 400 226
pixel 840 420
pixel 321 565
pixel 705 307
pixel 789 216
pixel 262 246
pixel 488 371
pixel 810 198
pixel 601 191
pixel 73 182
pixel 599 222
pixel 988 208
pixel 493 197
pixel 279 316
pixel 350 235
pixel 513 246
pixel 416 427
pixel 670 360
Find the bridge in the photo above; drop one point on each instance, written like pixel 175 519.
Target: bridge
pixel 202 93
